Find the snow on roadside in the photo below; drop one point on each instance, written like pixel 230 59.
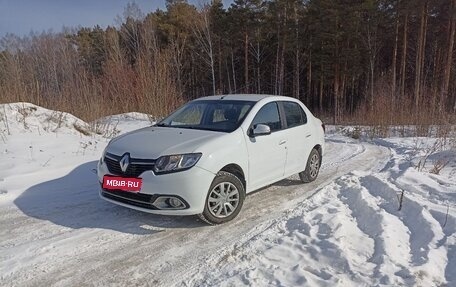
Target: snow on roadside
pixel 352 233
pixel 116 124
pixel 37 143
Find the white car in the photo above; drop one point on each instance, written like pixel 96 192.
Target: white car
pixel 206 156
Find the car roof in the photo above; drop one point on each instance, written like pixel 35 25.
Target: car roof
pixel 242 97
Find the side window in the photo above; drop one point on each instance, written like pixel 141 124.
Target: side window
pixel 294 115
pixel 268 115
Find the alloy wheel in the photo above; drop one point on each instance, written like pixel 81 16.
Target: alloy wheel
pixel 314 165
pixel 223 199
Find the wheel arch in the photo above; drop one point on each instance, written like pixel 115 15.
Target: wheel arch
pixel 237 171
pixel 319 149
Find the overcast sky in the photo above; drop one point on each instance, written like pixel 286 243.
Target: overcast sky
pixel 22 16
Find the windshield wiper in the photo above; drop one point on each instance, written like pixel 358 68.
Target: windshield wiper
pixel 213 130
pixel 188 127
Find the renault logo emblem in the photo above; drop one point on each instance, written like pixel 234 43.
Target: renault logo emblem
pixel 125 162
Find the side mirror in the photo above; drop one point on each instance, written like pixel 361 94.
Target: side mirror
pixel 260 130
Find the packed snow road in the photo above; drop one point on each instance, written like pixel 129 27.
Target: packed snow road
pixel 58 232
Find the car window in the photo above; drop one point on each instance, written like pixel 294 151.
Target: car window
pixel 227 112
pixel 218 116
pixel 268 115
pixel 215 115
pixel 191 115
pixel 294 115
pixel 244 111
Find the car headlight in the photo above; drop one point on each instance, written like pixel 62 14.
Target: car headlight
pixel 177 162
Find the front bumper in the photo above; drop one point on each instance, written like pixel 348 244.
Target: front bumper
pixel 190 186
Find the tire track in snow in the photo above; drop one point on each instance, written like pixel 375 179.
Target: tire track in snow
pixel 344 154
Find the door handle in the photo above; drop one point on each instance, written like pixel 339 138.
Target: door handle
pixel 282 142
pixel 308 136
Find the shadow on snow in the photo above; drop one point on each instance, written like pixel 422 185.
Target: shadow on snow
pixel 73 201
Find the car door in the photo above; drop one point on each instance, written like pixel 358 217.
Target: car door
pixel 267 153
pixel 298 133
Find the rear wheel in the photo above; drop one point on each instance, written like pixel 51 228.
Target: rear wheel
pixel 312 167
pixel 224 199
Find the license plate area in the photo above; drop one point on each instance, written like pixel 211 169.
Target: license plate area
pixel 128 184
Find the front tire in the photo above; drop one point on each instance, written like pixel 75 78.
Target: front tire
pixel 312 167
pixel 224 199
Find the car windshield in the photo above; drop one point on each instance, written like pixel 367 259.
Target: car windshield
pixel 215 115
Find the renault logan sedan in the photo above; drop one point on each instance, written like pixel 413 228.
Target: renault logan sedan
pixel 206 156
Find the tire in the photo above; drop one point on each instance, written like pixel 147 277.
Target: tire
pixel 312 167
pixel 220 206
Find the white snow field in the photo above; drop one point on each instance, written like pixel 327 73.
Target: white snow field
pixel 344 229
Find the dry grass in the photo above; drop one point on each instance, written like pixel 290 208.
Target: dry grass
pixel 49 74
pixel 439 165
pixel 82 130
pixel 400 115
pixel 107 129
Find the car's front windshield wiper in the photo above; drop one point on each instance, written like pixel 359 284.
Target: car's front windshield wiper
pixel 212 129
pixel 188 127
pixel 176 126
pixel 203 128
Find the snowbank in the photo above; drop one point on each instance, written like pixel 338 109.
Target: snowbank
pixel 37 143
pixel 353 232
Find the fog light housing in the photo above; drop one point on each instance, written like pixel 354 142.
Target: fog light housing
pixel 170 202
pixel 175 202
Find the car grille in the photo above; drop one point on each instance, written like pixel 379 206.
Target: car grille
pixel 136 199
pixel 135 168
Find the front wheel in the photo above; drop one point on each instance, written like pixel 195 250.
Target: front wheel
pixel 312 167
pixel 224 199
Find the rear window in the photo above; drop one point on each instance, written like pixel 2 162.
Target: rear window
pixel 294 115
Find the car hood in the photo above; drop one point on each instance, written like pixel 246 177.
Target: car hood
pixel 153 142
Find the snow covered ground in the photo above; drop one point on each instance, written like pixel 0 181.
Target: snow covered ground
pixel 345 229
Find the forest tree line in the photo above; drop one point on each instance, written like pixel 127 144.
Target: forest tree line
pixel 365 60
